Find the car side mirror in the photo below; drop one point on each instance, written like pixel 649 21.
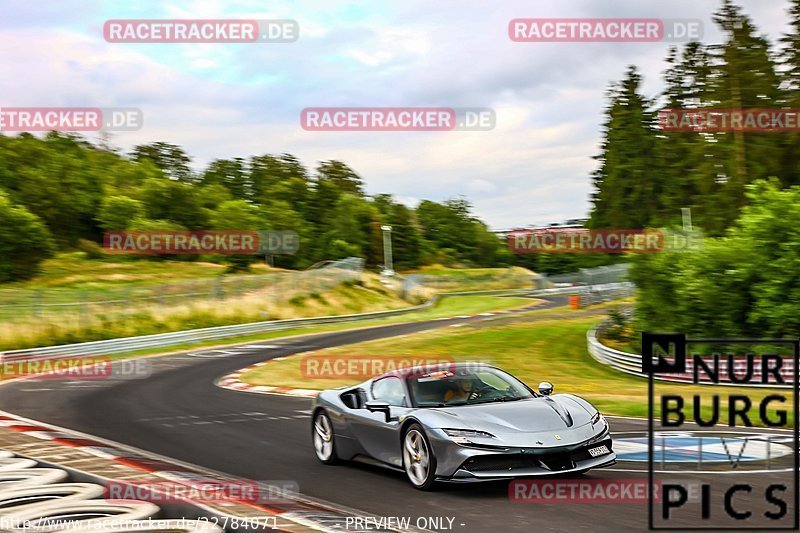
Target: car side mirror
pixel 378 406
pixel 545 388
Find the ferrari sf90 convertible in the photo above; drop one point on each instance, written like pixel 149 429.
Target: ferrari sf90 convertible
pixel 459 422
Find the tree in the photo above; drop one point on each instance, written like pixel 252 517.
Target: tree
pixel 78 190
pixel 647 174
pixel 790 61
pixel 230 173
pixel 626 188
pixel 406 237
pixel 170 158
pixel 282 176
pixel 212 196
pixel 116 212
pixel 352 222
pixel 55 179
pixel 279 215
pixel 687 175
pixel 743 76
pixel 175 201
pixel 451 226
pixel 159 226
pixel 24 241
pixel 237 215
pixel 344 178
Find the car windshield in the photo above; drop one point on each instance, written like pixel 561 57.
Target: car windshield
pixel 465 386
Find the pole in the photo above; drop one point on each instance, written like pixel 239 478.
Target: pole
pixel 387 248
pixel 686 215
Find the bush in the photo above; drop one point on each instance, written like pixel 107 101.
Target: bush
pixel 618 328
pixel 318 297
pixel 298 300
pixel 743 284
pixel 24 242
pixel 116 212
pixel 90 249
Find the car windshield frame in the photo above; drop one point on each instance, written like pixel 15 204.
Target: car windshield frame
pixel 413 377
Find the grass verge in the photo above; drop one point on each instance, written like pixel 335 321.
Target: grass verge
pixel 446 307
pixel 543 348
pixel 348 298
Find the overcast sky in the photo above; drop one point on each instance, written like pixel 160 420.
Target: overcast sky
pixel 237 100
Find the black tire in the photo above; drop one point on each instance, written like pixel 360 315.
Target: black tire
pixel 324 448
pixel 423 447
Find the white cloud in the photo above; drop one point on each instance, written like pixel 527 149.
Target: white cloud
pixel 227 101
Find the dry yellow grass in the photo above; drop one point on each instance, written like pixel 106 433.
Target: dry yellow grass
pixel 263 304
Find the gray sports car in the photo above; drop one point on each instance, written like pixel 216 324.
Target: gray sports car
pixel 459 422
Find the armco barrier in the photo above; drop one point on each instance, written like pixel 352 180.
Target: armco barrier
pixel 193 336
pixel 631 363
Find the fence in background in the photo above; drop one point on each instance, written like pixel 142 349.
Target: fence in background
pixel 60 305
pixel 70 305
pixel 595 294
pixel 475 279
pixel 166 340
pixel 593 276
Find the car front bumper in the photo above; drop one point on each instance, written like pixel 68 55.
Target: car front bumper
pixel 465 463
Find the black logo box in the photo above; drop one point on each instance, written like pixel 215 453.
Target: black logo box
pixel 680 344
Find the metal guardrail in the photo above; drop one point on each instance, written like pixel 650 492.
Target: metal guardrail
pixel 631 363
pixel 194 336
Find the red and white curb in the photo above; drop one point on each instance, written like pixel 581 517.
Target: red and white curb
pixel 106 460
pixel 234 382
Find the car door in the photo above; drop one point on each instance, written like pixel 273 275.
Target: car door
pixel 378 437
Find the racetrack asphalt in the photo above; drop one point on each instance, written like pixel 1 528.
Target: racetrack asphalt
pixel 179 412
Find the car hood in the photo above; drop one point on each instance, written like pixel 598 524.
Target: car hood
pixel 549 413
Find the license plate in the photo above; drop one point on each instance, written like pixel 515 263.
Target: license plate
pixel 600 450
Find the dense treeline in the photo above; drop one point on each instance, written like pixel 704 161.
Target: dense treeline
pixel 646 175
pixel 60 191
pixel 743 188
pixel 742 285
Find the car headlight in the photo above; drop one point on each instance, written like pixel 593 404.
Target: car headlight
pixel 462 436
pixel 599 419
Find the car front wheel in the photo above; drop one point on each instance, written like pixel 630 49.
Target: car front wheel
pixel 418 459
pixel 322 436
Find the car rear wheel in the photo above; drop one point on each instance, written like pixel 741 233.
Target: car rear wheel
pixel 322 436
pixel 418 459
